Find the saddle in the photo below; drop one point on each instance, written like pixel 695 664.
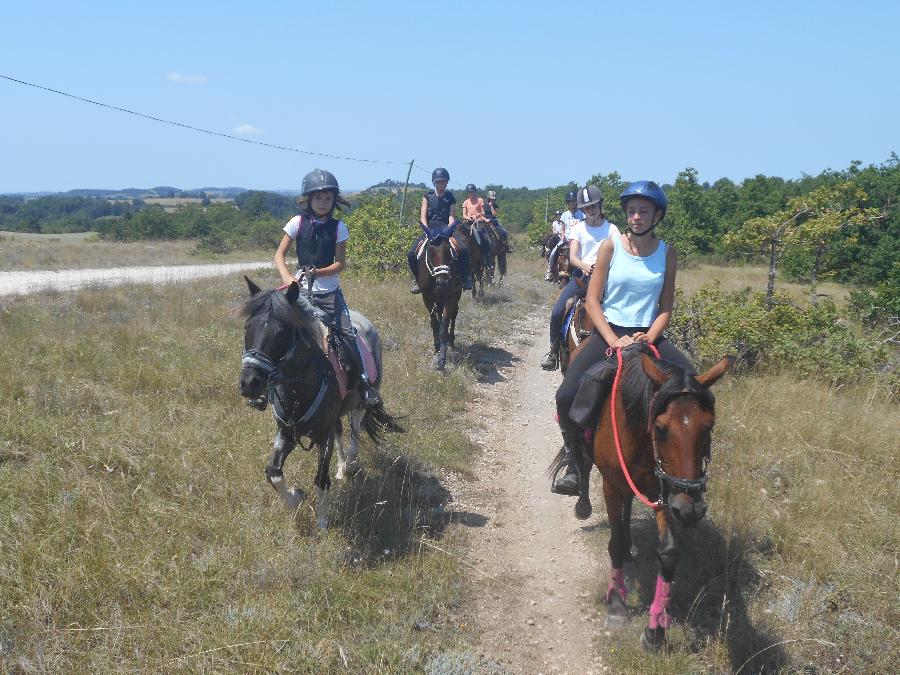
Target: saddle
pixel 344 362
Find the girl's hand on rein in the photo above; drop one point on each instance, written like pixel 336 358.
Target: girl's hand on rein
pixel 622 342
pixel 641 337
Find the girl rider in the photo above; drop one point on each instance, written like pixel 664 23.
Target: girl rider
pixel 558 228
pixel 438 212
pixel 568 218
pixel 473 210
pixel 585 238
pixel 321 245
pixel 629 299
pixel 490 210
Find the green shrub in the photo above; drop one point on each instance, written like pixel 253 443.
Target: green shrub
pixel 378 242
pixel 808 341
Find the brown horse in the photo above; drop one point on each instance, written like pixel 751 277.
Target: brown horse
pixel 499 251
pixel 438 277
pixel 653 441
pixel 466 233
pixel 577 329
pixel 548 243
pixel 562 271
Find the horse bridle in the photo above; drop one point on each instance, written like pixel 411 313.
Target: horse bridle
pixel 435 270
pixel 694 488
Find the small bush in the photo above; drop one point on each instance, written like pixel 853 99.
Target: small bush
pixel 805 340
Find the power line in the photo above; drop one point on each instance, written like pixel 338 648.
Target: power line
pixel 198 129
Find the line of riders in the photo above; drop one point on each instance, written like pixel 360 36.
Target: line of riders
pixel 626 279
pixel 437 215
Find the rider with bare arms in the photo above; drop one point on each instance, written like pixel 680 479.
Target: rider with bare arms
pixel 320 241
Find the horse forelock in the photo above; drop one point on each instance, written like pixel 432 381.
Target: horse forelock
pixel 637 390
pixel 299 315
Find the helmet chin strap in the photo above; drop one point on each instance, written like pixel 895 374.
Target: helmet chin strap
pixel 641 234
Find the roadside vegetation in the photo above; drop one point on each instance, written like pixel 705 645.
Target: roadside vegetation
pixel 136 527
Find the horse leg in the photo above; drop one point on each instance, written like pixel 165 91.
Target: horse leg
pixel 282 446
pixel 616 592
pixel 653 638
pixel 348 464
pixel 341 472
pixel 445 338
pixel 323 482
pixel 436 312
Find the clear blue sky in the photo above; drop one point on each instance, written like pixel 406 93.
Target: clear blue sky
pixel 527 93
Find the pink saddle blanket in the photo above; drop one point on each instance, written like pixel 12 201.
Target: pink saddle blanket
pixel 341 374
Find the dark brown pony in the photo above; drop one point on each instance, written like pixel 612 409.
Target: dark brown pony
pixel 466 233
pixel 664 423
pixel 499 251
pixel 438 277
pixel 548 243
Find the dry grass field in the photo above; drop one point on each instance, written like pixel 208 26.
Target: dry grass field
pixel 22 251
pixel 137 531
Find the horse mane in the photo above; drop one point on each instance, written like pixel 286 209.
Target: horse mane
pixel 301 315
pixel 637 389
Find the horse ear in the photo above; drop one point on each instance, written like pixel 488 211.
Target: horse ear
pixel 293 292
pixel 254 289
pixel 653 371
pixel 711 376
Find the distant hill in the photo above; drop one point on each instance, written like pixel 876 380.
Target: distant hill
pixel 392 184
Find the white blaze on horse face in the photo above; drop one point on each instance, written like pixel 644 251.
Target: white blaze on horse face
pixel 686 421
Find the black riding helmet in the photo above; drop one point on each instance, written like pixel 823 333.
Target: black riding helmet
pixel 571 196
pixel 589 195
pixel 440 173
pixel 471 187
pixel 318 180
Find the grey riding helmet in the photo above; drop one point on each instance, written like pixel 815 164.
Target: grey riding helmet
pixel 440 173
pixel 589 195
pixel 318 180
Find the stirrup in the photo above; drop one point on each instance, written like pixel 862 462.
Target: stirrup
pixel 414 288
pixel 569 483
pixel 370 396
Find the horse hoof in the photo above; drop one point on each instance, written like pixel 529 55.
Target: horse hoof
pixel 292 498
pixel 617 612
pixel 653 640
pixel 583 509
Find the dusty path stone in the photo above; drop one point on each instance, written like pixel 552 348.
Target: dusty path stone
pixel 535 612
pixel 24 283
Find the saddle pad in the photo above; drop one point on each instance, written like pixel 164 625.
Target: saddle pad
pixel 341 374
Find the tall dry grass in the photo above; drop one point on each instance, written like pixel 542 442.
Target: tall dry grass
pixel 22 252
pixel 136 528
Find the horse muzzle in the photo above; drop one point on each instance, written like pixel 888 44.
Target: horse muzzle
pixel 687 510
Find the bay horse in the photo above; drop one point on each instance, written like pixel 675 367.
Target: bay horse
pixel 438 277
pixel 468 234
pixel 497 257
pixel 562 271
pixel 653 441
pixel 548 243
pixel 286 363
pixel 577 325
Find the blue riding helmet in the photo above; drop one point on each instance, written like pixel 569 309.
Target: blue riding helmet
pixel 648 190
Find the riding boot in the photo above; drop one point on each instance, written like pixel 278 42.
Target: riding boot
pixel 467 281
pixel 370 396
pixel 568 484
pixel 551 358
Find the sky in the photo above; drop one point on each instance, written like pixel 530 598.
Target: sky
pixel 519 94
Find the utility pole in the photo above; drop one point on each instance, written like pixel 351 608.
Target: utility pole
pixel 547 210
pixel 405 188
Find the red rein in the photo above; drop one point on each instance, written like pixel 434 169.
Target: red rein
pixel 656 506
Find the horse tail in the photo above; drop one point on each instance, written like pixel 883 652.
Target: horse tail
pixel 558 462
pixel 377 421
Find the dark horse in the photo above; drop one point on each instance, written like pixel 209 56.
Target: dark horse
pixel 438 277
pixel 286 363
pixel 660 423
pixel 548 243
pixel 498 252
pixel 468 234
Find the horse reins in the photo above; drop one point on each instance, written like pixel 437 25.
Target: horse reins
pixel 690 486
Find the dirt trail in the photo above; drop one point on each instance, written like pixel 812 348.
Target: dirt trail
pixel 535 612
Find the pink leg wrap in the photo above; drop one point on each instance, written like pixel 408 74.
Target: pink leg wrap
pixel 556 417
pixel 659 616
pixel 617 585
pixel 588 436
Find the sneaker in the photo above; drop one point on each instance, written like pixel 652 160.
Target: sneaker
pixel 550 361
pixel 414 287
